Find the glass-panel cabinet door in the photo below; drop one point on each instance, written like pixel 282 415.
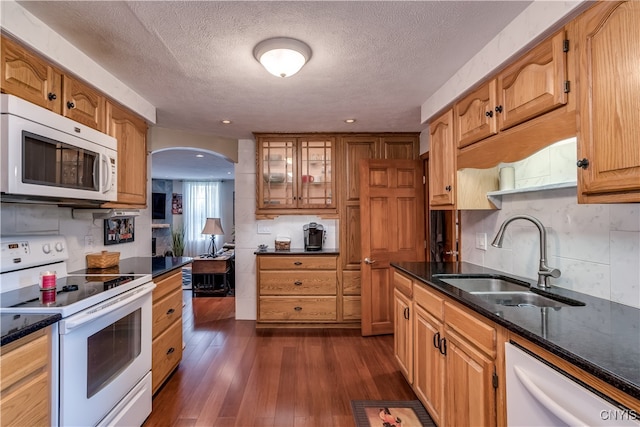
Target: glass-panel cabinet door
pixel 316 173
pixel 278 186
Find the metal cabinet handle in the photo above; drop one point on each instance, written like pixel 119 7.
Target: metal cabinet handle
pixel 71 105
pixel 369 261
pixel 170 311
pixel 583 163
pixel 297 263
pixel 171 350
pixel 448 188
pixel 406 313
pixel 499 109
pixel 297 283
pixel 297 308
pixel 443 346
pixel 436 340
pixel 489 113
pixel 51 96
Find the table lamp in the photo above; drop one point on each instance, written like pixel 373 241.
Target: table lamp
pixel 213 227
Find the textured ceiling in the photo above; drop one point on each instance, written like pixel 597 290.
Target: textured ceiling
pixel 376 62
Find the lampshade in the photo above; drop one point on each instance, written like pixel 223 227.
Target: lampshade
pixel 213 227
pixel 282 56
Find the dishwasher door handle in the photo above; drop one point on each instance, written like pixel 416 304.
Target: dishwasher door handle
pixel 545 400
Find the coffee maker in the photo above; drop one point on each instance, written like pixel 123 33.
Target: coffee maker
pixel 313 236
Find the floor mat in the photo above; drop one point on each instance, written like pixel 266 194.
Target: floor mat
pixel 388 413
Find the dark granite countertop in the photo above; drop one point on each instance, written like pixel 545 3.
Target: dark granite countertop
pixel 16 326
pixel 298 251
pixel 602 337
pixel 155 266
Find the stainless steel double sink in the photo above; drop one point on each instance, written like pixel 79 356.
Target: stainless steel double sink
pixel 506 291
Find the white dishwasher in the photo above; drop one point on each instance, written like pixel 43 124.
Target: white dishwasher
pixel 538 395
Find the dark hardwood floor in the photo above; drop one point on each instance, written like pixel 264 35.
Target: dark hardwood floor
pixel 233 374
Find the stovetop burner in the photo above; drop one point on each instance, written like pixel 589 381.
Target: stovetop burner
pixel 72 294
pixel 69 290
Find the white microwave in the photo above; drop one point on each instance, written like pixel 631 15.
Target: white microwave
pixel 45 156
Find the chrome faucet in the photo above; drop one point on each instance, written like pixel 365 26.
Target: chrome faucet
pixel 544 271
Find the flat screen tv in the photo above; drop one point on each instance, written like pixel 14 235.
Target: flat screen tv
pixel 158 205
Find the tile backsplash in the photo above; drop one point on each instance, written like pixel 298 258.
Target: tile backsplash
pixel 596 247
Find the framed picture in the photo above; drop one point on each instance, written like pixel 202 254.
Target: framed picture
pixel 176 204
pixel 118 230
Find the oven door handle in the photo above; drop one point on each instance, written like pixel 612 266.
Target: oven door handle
pixel 67 325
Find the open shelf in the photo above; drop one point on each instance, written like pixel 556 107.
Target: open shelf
pixel 496 196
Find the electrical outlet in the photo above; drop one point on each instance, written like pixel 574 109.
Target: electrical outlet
pixel 264 227
pixel 481 241
pixel 88 243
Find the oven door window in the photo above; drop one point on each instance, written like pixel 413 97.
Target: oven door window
pixel 111 350
pixel 53 163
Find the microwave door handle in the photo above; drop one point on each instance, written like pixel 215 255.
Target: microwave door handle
pixel 96 173
pixel 108 172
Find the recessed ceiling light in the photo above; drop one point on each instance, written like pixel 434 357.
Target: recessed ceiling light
pixel 350 121
pixel 199 155
pixel 226 122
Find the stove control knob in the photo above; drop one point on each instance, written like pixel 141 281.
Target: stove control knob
pixel 46 248
pixel 59 247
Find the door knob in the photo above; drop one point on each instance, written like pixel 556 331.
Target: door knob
pixel 369 261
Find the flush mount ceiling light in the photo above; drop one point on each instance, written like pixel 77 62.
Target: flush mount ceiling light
pixel 282 56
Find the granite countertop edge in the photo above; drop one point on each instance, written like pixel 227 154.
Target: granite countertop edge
pixel 34 322
pixel 612 378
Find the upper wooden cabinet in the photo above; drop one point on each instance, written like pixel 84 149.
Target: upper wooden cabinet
pixel 442 162
pixel 608 42
pixel 83 104
pixel 131 133
pixel 295 174
pixel 30 77
pixel 533 85
pixel 475 116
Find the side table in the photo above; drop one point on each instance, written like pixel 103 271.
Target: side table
pixel 210 276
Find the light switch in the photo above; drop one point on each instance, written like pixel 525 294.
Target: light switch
pixel 264 227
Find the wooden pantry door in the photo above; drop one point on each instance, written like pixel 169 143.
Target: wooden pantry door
pixel 392 229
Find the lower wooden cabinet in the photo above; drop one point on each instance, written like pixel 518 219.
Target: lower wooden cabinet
pixel 25 382
pixel 297 288
pixel 448 355
pixel 429 363
pixel 167 327
pixel 403 330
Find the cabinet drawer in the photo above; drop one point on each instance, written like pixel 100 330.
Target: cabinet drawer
pixel 23 358
pixel 166 311
pixel 403 284
pixel 297 308
pixel 297 283
pixel 166 353
pixel 472 327
pixel 298 262
pixel 166 284
pixel 429 300
pixel 351 308
pixel 29 404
